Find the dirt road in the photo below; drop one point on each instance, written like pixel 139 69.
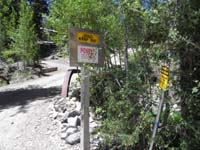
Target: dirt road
pixel 24 120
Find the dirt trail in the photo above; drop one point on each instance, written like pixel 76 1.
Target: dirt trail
pixel 24 120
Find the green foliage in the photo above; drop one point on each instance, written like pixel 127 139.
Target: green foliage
pixel 123 107
pixel 24 39
pixel 90 14
pixel 4 21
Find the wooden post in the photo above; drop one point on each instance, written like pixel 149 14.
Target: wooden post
pixel 85 135
pixel 156 123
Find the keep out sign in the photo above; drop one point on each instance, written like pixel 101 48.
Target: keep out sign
pixel 87 54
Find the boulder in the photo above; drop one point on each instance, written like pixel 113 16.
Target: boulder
pixel 73 121
pixel 71 130
pixel 73 138
pixel 65 117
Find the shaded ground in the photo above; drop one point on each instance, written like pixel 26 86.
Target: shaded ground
pixel 25 124
pixel 22 97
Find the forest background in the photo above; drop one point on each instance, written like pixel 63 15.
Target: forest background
pixel 142 35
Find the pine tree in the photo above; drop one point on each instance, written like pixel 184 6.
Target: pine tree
pixel 8 23
pixel 24 40
pixel 1 37
pixel 39 7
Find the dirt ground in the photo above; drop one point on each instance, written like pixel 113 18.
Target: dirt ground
pixel 24 120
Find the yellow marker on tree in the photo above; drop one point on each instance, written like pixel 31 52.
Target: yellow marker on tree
pixel 164 77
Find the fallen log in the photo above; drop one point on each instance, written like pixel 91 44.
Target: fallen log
pixel 47 70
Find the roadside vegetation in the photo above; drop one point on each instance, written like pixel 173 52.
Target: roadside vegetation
pixel 139 36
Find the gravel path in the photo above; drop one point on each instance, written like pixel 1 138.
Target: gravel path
pixel 24 116
pixel 28 128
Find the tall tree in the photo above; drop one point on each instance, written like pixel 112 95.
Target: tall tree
pixel 1 37
pixel 99 15
pixel 8 21
pixel 39 7
pixel 189 50
pixel 24 40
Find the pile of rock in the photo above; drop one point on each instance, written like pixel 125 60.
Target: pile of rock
pixel 67 111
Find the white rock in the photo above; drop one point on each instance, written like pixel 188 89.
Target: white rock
pixel 64 129
pixel 54 115
pixel 63 135
pixel 71 130
pixel 51 107
pixel 65 117
pixel 64 126
pixel 93 126
pixel 73 138
pixel 78 106
pixel 72 121
pixel 91 119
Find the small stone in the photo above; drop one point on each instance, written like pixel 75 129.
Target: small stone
pixel 93 126
pixel 73 138
pixel 56 107
pixel 60 115
pixel 63 135
pixel 54 115
pixel 91 119
pixel 48 132
pixel 65 117
pixel 64 125
pixel 51 107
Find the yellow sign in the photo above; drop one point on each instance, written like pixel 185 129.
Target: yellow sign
pixel 164 77
pixel 89 38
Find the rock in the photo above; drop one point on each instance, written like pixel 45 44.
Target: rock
pixel 71 130
pixel 51 107
pixel 91 119
pixel 96 142
pixel 65 117
pixel 78 106
pixel 76 93
pixel 72 121
pixel 54 115
pixel 79 121
pixel 73 138
pixel 74 113
pixel 93 126
pixel 70 106
pixel 64 127
pixel 48 132
pixel 56 107
pixel 63 130
pixel 63 135
pixel 73 99
pixel 53 57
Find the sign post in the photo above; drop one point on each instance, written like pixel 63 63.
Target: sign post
pixel 164 77
pixel 85 48
pixel 85 134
